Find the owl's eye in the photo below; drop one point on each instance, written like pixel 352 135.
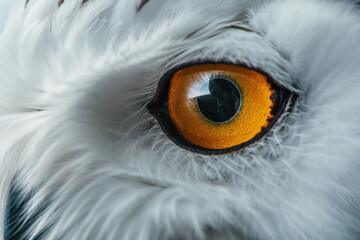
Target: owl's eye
pixel 216 107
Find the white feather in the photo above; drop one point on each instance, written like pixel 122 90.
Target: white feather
pixel 74 84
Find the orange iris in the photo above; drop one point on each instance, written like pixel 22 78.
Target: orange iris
pixel 252 116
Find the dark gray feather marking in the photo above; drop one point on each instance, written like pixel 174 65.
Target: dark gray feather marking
pixel 16 227
pixel 141 5
pixel 60 2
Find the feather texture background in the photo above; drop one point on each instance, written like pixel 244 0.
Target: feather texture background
pixel 5 8
pixel 74 84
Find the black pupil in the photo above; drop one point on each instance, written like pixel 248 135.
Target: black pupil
pixel 223 102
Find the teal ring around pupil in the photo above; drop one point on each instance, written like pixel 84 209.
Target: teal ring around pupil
pixel 222 101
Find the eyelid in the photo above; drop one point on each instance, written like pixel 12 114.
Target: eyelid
pixel 158 108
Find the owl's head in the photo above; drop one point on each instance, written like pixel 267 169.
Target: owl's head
pixel 161 119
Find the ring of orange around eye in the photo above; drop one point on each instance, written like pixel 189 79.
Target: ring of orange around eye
pixel 158 107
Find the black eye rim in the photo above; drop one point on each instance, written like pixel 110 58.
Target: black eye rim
pixel 157 107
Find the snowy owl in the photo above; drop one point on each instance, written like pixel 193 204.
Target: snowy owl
pixel 189 119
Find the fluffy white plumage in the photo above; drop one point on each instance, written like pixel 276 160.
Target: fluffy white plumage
pixel 74 84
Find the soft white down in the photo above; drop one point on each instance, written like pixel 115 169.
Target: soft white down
pixel 74 84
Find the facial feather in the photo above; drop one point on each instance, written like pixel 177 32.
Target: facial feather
pixel 83 152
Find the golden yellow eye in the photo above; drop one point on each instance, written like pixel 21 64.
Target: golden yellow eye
pixel 215 107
